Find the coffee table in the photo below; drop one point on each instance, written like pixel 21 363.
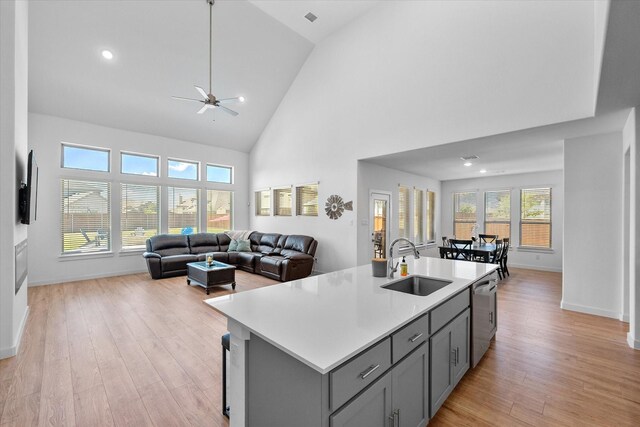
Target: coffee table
pixel 207 276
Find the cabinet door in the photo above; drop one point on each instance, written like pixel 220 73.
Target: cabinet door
pixel 372 408
pixel 460 334
pixel 493 313
pixel 410 388
pixel 441 374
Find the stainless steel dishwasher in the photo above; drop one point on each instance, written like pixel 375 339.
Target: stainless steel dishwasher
pixel 485 316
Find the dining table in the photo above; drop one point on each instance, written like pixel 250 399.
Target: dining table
pixel 477 251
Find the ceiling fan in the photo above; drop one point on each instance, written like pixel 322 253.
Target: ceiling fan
pixel 209 100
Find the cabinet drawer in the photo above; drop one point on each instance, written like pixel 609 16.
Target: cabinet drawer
pixel 409 337
pixel 444 313
pixel 347 380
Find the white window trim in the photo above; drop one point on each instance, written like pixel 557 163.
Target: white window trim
pixel 86 147
pixel 149 156
pixel 195 162
pixel 233 173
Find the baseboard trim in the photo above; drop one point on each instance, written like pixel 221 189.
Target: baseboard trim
pixel 13 350
pixel 624 318
pixel 536 267
pixel 589 310
pixel 84 277
pixel 633 343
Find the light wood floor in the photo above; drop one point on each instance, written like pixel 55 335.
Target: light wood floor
pixel 133 351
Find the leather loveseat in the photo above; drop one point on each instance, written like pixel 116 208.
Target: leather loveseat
pixel 278 256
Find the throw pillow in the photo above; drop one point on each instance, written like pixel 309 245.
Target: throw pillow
pixel 233 246
pixel 244 246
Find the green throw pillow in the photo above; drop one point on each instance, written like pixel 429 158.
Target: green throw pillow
pixel 233 246
pixel 244 246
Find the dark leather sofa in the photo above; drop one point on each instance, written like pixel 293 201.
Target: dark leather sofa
pixel 278 256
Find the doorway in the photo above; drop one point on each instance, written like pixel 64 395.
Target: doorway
pixel 379 218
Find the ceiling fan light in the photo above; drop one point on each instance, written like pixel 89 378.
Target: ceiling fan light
pixel 107 54
pixel 241 98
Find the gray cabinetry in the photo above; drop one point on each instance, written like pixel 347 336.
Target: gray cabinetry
pixel 410 389
pixel 449 358
pixel 372 408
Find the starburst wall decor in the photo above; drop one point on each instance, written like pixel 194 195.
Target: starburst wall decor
pixel 335 206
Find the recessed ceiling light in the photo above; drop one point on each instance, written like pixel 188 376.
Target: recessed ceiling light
pixel 107 54
pixel 241 98
pixel 483 171
pixel 311 17
pixel 468 163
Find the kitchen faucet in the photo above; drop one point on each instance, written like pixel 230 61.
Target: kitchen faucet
pixel 393 269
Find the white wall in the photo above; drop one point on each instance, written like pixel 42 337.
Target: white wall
pixel 13 155
pixel 45 136
pixel 416 74
pixel 592 279
pixel 523 258
pixel 375 177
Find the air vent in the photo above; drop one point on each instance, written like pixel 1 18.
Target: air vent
pixel 311 17
pixel 467 158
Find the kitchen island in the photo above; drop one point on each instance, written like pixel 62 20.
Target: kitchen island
pixel 298 348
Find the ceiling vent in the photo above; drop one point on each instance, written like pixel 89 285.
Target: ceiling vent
pixel 311 17
pixel 467 158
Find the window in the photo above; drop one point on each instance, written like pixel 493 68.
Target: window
pixel 263 203
pixel 139 214
pixel 91 159
pixel 282 202
pixel 137 164
pixel 418 206
pixel 183 210
pixel 219 211
pixel 431 213
pixel 403 212
pixel 86 216
pixel 183 170
pixel 497 213
pixel 307 200
pixel 535 217
pixel 222 174
pixel 464 214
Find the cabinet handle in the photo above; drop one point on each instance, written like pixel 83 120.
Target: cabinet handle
pixel 457 355
pixel 491 316
pixel 396 412
pixel 415 337
pixel 392 420
pixel 369 371
pixel 453 353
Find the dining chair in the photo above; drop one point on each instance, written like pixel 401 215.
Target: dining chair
pixel 496 258
pixel 505 255
pixel 445 241
pixel 487 238
pixel 461 249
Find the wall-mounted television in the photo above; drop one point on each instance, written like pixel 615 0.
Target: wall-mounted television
pixel 28 195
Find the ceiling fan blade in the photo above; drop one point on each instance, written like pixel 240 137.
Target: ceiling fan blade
pixel 230 100
pixel 204 108
pixel 226 110
pixel 202 92
pixel 186 99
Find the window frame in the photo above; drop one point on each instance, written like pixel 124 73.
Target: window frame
pixel 231 208
pixel 507 222
pixel 231 173
pixel 475 221
pixel 108 249
pixel 258 206
pixel 419 216
pixel 135 248
pixel 84 147
pixel 550 222
pixel 406 232
pixel 148 156
pixel 430 216
pixel 298 208
pixel 276 204
pixel 193 162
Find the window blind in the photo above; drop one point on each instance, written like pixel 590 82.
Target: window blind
pixel 183 210
pixel 464 214
pixel 431 213
pixel 282 202
pixel 263 203
pixel 219 211
pixel 403 212
pixel 497 213
pixel 418 221
pixel 535 217
pixel 139 214
pixel 86 216
pixel 307 200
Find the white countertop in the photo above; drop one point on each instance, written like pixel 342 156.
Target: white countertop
pixel 325 320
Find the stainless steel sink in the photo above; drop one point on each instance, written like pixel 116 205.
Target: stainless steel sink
pixel 417 285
